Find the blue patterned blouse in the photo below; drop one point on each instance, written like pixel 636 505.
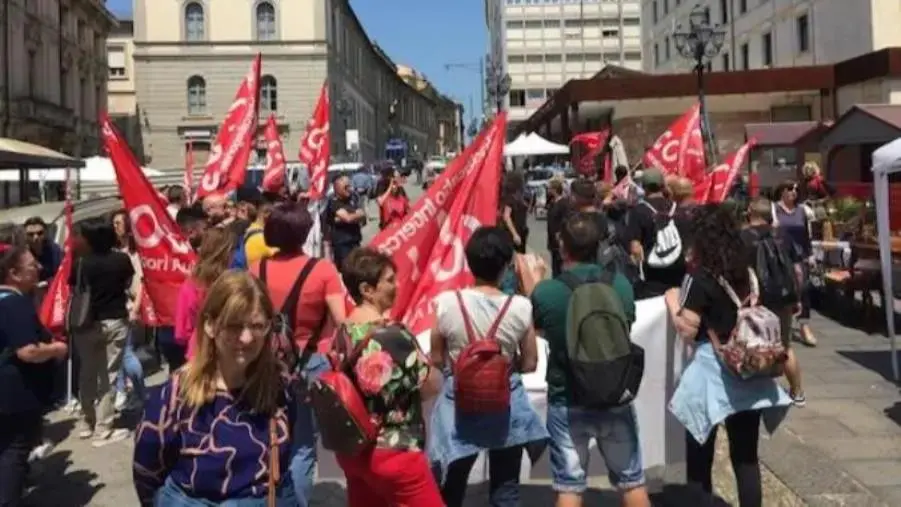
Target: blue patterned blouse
pixel 218 452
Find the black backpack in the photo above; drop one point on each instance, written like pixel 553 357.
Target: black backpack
pixel 605 367
pixel 775 271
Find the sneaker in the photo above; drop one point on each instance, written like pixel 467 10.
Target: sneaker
pixel 41 451
pixel 805 336
pixel 110 436
pixel 85 433
pixel 120 401
pixel 799 400
pixel 134 404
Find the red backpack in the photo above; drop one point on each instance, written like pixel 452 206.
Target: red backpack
pixel 345 424
pixel 481 371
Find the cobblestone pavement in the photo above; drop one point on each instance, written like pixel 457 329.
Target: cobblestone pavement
pixel 843 449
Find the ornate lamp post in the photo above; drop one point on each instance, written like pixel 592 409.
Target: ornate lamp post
pixel 498 83
pixel 701 42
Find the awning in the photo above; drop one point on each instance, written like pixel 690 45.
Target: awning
pixel 15 154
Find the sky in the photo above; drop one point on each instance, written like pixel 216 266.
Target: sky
pixel 424 34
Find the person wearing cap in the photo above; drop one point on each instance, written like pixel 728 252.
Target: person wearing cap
pixel 653 243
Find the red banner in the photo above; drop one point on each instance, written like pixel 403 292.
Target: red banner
pixel 316 145
pixel 227 166
pixel 189 172
pixel 274 172
pixel 723 176
pixel 680 150
pixel 166 256
pixel 56 300
pixel 427 246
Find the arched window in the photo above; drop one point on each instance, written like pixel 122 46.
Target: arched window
pixel 195 29
pixel 268 94
pixel 196 95
pixel 265 18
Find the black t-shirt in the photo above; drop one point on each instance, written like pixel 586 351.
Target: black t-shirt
pixel 555 216
pixel 108 276
pixel 343 233
pixel 24 387
pixel 519 212
pixel 703 295
pixel 642 227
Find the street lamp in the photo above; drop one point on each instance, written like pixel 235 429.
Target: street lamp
pixel 473 127
pixel 700 44
pixel 498 84
pixel 343 109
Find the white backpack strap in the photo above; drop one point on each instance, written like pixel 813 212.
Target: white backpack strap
pixel 753 296
pixel 650 207
pixel 775 216
pixel 672 210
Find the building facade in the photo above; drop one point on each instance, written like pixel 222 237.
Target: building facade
pixel 190 55
pixel 122 101
pixel 448 132
pixel 773 33
pixel 542 44
pixel 54 68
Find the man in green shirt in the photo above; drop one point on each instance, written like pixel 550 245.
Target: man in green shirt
pixel 571 428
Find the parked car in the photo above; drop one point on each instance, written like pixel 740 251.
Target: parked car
pixel 433 168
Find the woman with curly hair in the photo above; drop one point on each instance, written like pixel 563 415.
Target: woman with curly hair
pixel 708 394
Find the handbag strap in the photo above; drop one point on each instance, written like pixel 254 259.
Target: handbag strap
pixel 274 463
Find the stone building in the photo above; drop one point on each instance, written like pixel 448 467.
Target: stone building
pixel 190 55
pixel 54 72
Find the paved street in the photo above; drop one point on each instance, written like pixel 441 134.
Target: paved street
pixel 844 448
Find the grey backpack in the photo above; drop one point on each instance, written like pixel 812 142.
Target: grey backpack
pixel 605 367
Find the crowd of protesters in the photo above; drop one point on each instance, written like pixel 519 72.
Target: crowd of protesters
pixel 233 424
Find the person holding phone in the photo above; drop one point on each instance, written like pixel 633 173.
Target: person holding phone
pixel 393 202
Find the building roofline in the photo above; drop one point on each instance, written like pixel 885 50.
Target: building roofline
pixel 380 53
pixel 878 64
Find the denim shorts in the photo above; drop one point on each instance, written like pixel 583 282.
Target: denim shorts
pixel 616 432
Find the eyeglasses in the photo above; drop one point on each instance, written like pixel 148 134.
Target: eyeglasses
pixel 257 329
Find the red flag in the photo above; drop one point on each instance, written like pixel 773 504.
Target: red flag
pixel 316 145
pixel 56 300
pixel 427 246
pixel 680 150
pixel 189 172
pixel 274 172
pixel 166 256
pixel 593 143
pixel 227 166
pixel 723 176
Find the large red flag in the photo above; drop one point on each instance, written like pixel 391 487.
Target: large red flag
pixel 227 166
pixel 274 172
pixel 56 300
pixel 680 150
pixel 166 256
pixel 723 176
pixel 316 145
pixel 427 246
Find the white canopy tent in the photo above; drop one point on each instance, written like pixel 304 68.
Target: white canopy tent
pixel 533 145
pixel 96 169
pixel 886 160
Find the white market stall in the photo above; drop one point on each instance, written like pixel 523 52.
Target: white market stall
pixel 534 145
pixel 95 169
pixel 886 161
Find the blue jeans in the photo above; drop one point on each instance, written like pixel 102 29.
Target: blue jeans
pixel 170 495
pixel 131 369
pixel 303 463
pixel 616 432
pixel 503 476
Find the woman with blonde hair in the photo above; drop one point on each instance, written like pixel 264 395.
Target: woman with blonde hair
pixel 218 431
pixel 214 256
